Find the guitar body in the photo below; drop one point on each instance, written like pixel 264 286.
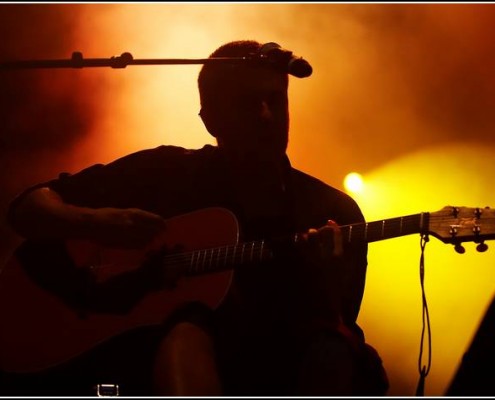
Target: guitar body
pixel 40 330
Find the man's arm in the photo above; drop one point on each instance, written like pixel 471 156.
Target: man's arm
pixel 42 213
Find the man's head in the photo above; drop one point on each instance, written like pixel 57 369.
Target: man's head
pixel 244 105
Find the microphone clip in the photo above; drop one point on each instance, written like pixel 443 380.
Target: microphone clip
pixel 274 56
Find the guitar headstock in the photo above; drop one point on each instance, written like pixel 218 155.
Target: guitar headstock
pixel 463 224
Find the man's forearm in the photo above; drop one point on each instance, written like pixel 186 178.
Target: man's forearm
pixel 42 213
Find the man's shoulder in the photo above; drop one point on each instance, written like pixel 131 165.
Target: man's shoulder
pixel 301 178
pixel 324 194
pixel 172 150
pixel 165 153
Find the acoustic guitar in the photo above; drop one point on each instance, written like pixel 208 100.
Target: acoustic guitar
pixel 60 299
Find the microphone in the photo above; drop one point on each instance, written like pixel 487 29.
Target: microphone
pixel 281 59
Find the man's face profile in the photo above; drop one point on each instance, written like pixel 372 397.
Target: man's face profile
pixel 252 112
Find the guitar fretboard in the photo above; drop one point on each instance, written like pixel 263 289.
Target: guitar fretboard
pixel 220 258
pixel 226 257
pixel 385 229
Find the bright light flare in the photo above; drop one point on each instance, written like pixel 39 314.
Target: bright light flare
pixel 353 182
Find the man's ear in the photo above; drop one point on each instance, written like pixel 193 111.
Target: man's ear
pixel 208 121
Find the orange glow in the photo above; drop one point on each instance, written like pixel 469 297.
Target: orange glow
pixel 403 93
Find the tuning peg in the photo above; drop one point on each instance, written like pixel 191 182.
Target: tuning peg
pixel 482 247
pixel 459 248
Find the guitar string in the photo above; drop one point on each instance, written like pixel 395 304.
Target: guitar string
pixel 405 223
pixel 187 255
pixel 256 249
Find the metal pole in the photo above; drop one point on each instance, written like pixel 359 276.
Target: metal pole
pixel 78 61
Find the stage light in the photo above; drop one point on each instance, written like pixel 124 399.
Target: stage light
pixel 353 182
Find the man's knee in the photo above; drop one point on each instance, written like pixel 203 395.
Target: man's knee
pixel 187 334
pixel 185 363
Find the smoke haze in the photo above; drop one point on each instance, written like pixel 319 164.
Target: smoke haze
pixel 396 88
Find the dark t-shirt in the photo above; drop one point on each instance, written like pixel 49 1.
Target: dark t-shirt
pixel 171 181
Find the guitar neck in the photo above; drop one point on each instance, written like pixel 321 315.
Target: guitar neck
pixel 226 257
pixel 385 229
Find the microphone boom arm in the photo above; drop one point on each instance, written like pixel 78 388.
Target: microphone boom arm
pixel 122 61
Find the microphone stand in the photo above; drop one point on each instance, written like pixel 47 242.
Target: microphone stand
pixel 78 61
